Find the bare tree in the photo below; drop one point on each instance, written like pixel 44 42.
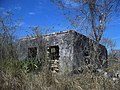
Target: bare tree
pixel 34 46
pixel 109 43
pixel 7 37
pixel 90 15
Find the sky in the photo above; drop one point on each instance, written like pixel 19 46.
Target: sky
pixel 47 15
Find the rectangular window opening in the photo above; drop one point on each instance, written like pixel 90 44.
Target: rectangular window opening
pixel 32 52
pixel 54 52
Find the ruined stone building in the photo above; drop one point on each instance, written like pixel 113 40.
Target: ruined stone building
pixel 66 50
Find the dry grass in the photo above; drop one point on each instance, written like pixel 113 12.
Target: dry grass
pixel 12 77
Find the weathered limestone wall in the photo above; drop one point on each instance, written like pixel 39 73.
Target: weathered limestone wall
pixel 65 43
pixel 23 47
pixel 72 46
pixel 63 39
pixel 83 52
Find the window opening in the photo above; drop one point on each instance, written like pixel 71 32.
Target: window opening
pixel 32 52
pixel 54 52
pixel 54 58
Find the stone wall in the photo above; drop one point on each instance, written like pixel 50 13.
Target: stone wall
pixel 72 46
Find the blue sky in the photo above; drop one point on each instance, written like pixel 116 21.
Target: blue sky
pixel 47 15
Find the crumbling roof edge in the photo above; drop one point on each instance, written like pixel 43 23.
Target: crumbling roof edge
pixel 44 35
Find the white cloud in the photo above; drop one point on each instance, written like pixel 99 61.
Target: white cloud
pixel 19 23
pixel 70 3
pixel 18 8
pixel 6 13
pixel 31 13
pixel 1 8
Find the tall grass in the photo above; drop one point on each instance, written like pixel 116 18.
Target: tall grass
pixel 13 76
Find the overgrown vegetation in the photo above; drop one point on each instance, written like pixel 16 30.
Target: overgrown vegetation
pixel 14 76
pixel 31 74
